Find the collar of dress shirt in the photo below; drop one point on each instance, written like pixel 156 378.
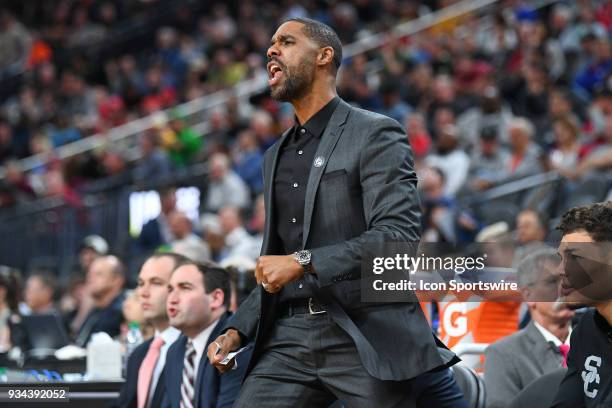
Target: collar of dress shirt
pixel 169 335
pixel 199 341
pixel 318 122
pixel 548 336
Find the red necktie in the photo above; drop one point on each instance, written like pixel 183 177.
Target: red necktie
pixel 145 373
pixel 564 350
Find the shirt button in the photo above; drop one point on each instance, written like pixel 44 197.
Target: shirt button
pixel 302 131
pixel 300 151
pixel 295 184
pixel 293 220
pixel 301 285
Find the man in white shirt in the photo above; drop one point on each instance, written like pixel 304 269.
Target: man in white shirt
pixel 515 361
pixel 197 305
pixel 144 386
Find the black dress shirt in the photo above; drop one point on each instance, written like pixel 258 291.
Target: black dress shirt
pixel 295 160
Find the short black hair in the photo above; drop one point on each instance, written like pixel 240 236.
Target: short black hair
pixel 595 219
pixel 215 277
pixel 323 35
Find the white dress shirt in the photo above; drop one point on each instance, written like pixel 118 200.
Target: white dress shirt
pixel 199 344
pixel 548 336
pixel 169 335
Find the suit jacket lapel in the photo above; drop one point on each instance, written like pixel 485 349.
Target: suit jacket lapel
pixel 546 358
pixel 326 146
pixel 269 190
pixel 204 366
pixel 175 374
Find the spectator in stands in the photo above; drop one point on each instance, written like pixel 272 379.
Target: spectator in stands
pixel 197 305
pixel 105 280
pixel 594 75
pixel 15 43
pixel 186 242
pixel 450 158
pixel 525 154
pixel 238 242
pixel 186 143
pixel 262 125
pixel 491 114
pixel 531 230
pixel 144 384
pixel 9 307
pixel 392 104
pixel 225 187
pixel 39 293
pixel 248 160
pixel 154 163
pixel 598 159
pixel 157 232
pixel 443 220
pixel 418 135
pixel 487 162
pixel 515 361
pixel 564 157
pixel 585 281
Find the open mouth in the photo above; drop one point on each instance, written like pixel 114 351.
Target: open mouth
pixel 275 73
pixel 172 312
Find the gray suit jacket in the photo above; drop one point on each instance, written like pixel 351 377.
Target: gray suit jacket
pixel 365 191
pixel 515 361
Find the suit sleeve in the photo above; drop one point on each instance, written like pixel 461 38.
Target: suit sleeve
pixel 246 318
pixel 390 203
pixel 230 382
pixel 501 380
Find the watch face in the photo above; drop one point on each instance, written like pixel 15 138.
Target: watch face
pixel 303 257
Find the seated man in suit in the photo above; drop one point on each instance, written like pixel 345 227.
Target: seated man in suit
pixel 197 305
pixel 105 280
pixel 144 383
pixel 515 361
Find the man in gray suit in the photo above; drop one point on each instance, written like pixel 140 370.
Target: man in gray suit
pixel 339 179
pixel 515 361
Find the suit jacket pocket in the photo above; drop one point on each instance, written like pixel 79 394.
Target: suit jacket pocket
pixel 332 174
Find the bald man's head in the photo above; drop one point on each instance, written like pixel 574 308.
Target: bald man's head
pixel 106 275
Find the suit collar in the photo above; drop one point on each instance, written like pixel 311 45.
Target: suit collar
pixel 326 146
pixel 546 353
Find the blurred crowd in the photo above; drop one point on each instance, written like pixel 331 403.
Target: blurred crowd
pixel 486 99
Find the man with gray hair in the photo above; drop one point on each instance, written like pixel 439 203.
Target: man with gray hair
pixel 524 157
pixel 514 361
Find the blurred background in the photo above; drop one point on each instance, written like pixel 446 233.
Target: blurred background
pixel 127 126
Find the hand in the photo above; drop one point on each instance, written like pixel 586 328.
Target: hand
pixel 276 271
pixel 224 344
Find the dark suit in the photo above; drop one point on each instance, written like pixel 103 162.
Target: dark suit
pixel 515 361
pixel 364 192
pixel 106 320
pixel 128 395
pixel 212 389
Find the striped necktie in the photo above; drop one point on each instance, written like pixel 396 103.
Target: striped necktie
pixel 187 386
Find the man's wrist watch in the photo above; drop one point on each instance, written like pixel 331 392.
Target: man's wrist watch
pixel 303 258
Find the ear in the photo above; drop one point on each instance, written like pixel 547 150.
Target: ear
pixel 217 298
pixel 326 56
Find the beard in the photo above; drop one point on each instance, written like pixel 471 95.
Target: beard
pixel 295 84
